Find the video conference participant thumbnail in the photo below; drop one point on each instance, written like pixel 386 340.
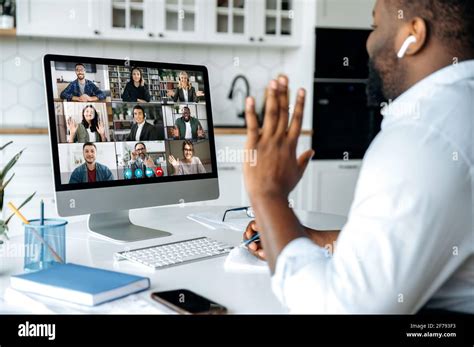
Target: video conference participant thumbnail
pixel 185 91
pixel 185 122
pixel 137 160
pixel 87 163
pixel 85 123
pixel 187 127
pixel 82 89
pixel 132 122
pixel 188 157
pixel 136 90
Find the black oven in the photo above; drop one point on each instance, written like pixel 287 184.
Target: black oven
pixel 343 124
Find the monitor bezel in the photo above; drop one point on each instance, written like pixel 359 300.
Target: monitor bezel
pixel 49 58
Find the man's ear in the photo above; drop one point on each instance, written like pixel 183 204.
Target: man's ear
pixel 412 38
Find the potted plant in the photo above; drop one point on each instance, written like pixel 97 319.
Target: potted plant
pixel 3 184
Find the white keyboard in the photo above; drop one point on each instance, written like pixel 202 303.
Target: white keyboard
pixel 176 253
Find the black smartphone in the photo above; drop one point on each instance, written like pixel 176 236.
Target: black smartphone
pixel 187 302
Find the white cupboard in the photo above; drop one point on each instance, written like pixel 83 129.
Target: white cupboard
pixel 58 18
pixel 272 23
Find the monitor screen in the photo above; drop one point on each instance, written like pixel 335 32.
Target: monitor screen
pixel 124 123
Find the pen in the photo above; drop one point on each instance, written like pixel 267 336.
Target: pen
pixel 254 238
pixel 42 212
pixel 26 221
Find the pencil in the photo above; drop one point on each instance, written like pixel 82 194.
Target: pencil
pixel 26 221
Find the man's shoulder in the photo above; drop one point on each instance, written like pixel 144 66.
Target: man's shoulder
pixel 148 125
pixel 73 83
pixel 79 168
pixel 101 166
pixel 406 155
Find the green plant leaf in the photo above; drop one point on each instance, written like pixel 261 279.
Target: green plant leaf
pixel 3 229
pixel 23 204
pixel 10 164
pixel 4 186
pixel 5 145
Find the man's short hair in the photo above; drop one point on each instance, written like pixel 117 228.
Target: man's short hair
pixel 138 107
pixel 140 143
pixel 80 64
pixel 88 144
pixel 451 21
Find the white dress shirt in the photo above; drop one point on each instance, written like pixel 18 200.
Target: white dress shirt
pixel 409 239
pixel 139 131
pixel 189 133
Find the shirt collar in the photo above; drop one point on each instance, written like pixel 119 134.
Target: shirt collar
pixel 407 103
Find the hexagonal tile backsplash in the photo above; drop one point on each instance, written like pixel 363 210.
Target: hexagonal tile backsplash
pixel 22 97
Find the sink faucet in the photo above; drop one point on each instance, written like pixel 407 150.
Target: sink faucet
pixel 246 92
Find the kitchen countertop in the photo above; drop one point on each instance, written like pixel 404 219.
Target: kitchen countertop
pixel 44 131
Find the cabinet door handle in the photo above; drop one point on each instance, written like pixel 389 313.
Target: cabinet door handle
pixel 150 35
pixel 161 35
pixel 261 39
pixel 227 168
pixel 348 167
pixel 96 32
pixel 252 39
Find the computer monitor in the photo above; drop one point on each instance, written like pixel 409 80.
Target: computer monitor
pixel 128 134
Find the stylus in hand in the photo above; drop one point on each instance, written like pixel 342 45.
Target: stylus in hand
pixel 254 238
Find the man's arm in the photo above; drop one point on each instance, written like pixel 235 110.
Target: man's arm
pixel 67 93
pixel 277 170
pixel 97 94
pixel 323 238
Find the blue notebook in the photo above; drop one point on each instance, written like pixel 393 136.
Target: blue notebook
pixel 80 284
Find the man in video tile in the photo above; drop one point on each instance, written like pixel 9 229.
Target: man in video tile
pixel 90 171
pixel 141 161
pixel 187 127
pixel 81 89
pixel 141 130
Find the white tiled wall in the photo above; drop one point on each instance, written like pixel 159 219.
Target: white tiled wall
pixel 22 97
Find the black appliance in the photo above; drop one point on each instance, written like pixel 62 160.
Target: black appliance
pixel 343 124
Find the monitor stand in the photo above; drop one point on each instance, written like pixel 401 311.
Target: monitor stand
pixel 116 226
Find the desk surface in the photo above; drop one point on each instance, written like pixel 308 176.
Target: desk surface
pixel 239 292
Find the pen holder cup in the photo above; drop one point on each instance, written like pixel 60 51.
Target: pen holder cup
pixel 45 244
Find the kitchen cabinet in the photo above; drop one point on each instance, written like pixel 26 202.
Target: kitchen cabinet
pixel 269 22
pixel 180 20
pixel 126 19
pixel 151 20
pixel 334 13
pixel 58 18
pixel 333 184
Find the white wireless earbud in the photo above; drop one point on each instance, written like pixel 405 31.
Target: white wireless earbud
pixel 401 53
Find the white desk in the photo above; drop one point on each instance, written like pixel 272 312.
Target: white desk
pixel 239 292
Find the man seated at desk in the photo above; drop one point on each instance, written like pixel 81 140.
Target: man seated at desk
pixel 408 244
pixel 90 171
pixel 82 89
pixel 187 127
